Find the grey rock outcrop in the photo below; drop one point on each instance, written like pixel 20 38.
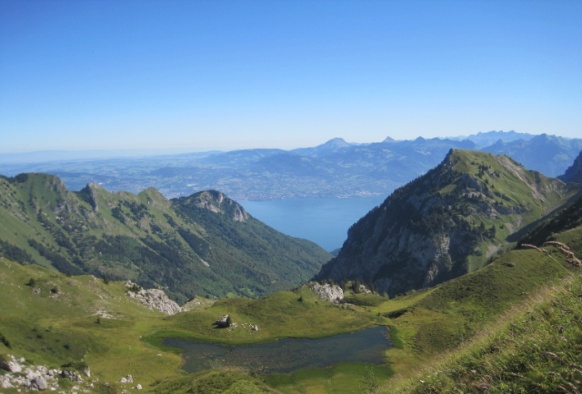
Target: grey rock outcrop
pixel 154 299
pixel 328 292
pixel 11 364
pixel 126 379
pixel 73 376
pixel 23 376
pixel 216 202
pixel 224 322
pixel 39 383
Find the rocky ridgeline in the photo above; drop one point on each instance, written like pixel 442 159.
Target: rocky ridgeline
pixel 328 292
pixel 153 298
pixel 21 375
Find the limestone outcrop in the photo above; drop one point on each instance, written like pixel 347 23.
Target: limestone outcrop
pixel 23 376
pixel 154 299
pixel 328 292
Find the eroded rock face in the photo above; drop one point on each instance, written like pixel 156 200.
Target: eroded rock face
pixel 154 299
pixel 216 202
pixel 328 292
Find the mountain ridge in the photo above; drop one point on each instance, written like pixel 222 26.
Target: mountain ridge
pixel 337 168
pixel 445 223
pixel 205 243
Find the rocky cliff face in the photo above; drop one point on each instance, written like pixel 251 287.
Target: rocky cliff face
pixel 445 223
pixel 216 202
pixel 574 172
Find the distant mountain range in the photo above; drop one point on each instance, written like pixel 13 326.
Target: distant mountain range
pixel 335 169
pixel 446 223
pixel 548 154
pixel 203 244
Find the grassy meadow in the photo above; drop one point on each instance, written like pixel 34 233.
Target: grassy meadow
pixel 477 331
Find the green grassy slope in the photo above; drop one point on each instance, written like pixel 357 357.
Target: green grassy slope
pixel 526 322
pixel 77 319
pixel 533 348
pixel 201 245
pixel 83 319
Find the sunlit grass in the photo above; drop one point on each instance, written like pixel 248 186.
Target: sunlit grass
pixel 534 347
pixel 461 326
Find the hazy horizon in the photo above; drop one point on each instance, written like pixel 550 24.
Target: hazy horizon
pixel 73 154
pixel 204 75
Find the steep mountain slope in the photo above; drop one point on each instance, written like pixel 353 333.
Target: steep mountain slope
pixel 445 223
pixel 564 221
pixel 533 346
pixel 202 244
pixel 574 172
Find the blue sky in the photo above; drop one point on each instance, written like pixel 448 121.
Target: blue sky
pixel 142 74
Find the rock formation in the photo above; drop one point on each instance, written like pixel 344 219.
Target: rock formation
pixel 328 292
pixel 224 322
pixel 21 375
pixel 154 299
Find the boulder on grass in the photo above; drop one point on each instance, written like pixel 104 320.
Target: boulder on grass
pixel 224 322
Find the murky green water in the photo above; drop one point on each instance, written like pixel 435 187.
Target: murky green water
pixel 286 355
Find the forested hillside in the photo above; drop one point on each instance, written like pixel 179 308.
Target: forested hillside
pixel 203 244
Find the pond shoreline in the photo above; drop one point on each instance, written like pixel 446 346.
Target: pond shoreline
pixel 284 355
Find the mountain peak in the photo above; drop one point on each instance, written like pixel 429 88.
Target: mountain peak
pixel 335 143
pixel 445 223
pixel 217 202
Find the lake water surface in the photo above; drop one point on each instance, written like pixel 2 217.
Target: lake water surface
pixel 324 221
pixel 286 355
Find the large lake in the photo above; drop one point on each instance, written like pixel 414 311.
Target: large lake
pixel 286 355
pixel 324 221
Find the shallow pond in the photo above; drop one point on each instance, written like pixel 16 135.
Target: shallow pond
pixel 286 355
